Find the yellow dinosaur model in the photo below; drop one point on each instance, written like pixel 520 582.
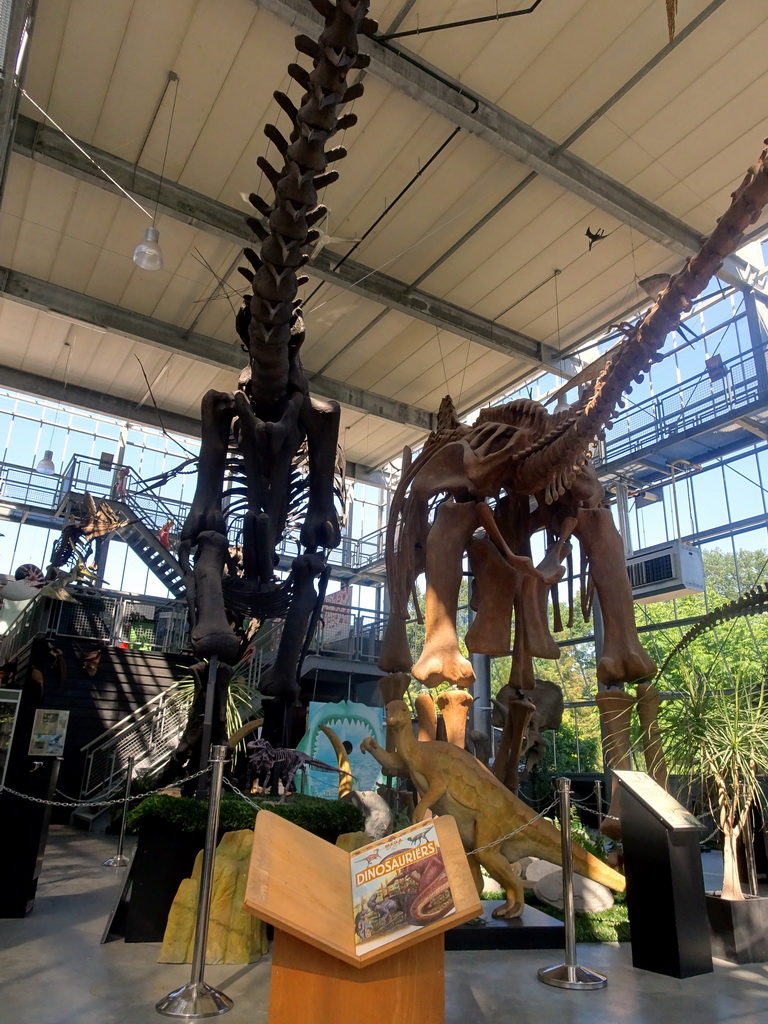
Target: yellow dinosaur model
pixel 451 781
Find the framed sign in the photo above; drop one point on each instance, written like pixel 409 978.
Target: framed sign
pixel 668 810
pixel 49 732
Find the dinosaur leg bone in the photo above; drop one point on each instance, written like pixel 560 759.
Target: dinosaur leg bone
pixel 320 420
pixel 282 679
pixel 623 658
pixel 427 716
pixel 519 714
pixel 493 596
pixel 539 642
pixel 441 660
pixel 212 633
pixel 455 705
pixel 648 700
pixel 615 708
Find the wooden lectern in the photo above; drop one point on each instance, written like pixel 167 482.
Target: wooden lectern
pixel 326 967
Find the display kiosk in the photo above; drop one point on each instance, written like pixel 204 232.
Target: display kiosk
pixel 361 929
pixel 665 882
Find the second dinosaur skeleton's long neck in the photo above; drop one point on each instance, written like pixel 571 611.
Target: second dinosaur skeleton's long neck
pixel 275 329
pixel 564 448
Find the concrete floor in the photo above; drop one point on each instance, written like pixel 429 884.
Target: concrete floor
pixel 54 971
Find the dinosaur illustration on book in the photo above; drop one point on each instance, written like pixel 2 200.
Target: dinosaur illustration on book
pixel 277 444
pixel 451 781
pixel 470 490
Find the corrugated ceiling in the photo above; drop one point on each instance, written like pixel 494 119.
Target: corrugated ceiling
pixel 444 207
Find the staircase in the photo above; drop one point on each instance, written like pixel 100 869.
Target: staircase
pixel 144 511
pixel 149 735
pixel 145 542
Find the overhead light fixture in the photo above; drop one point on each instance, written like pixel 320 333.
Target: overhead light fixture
pixel 45 465
pixel 147 254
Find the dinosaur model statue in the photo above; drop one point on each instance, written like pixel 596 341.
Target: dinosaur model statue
pixel 470 492
pixel 451 781
pixel 276 445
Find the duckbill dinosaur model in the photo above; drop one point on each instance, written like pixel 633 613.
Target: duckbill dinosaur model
pixel 451 781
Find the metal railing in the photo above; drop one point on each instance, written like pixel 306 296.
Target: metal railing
pixel 685 407
pixel 111 618
pixel 148 735
pixel 20 485
pixel 351 634
pixel 84 473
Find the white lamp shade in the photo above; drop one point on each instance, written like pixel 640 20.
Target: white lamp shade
pixel 147 254
pixel 45 465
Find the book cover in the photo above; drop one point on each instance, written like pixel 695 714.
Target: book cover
pixel 399 885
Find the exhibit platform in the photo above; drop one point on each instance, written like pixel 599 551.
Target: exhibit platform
pixel 54 971
pixel 534 930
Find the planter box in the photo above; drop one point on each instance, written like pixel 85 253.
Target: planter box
pixel 164 857
pixel 739 928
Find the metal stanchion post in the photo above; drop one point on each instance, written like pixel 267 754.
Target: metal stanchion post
pixel 119 861
pixel 197 999
pixel 599 802
pixel 569 975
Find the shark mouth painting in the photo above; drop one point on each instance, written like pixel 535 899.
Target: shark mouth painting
pixel 352 723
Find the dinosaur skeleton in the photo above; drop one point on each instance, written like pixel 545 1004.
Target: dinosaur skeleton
pixel 751 602
pixel 274 765
pixel 271 424
pixel 483 490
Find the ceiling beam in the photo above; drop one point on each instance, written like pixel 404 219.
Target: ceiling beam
pixel 44 144
pixel 126 410
pixel 52 297
pixel 461 106
pixel 97 401
pixel 14 53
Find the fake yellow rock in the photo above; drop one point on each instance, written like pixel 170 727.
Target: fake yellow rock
pixel 234 937
pixel 351 841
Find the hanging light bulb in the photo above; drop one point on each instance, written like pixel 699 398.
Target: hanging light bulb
pixel 147 254
pixel 45 465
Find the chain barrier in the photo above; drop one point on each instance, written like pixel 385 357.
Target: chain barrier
pixel 102 803
pixel 259 807
pixel 509 835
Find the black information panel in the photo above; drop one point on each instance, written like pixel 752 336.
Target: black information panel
pixel 665 883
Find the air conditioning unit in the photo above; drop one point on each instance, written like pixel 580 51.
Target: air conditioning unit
pixel 666 571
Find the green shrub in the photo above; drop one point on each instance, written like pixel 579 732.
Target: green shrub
pixel 321 817
pixel 610 925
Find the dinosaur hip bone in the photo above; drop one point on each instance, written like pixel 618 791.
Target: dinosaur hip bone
pixel 395 653
pixel 648 700
pixel 427 716
pixel 441 660
pixel 212 633
pixel 615 708
pixel 393 686
pixel 454 706
pixel 623 658
pixel 496 828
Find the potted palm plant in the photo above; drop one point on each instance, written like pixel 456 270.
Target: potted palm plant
pixel 716 737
